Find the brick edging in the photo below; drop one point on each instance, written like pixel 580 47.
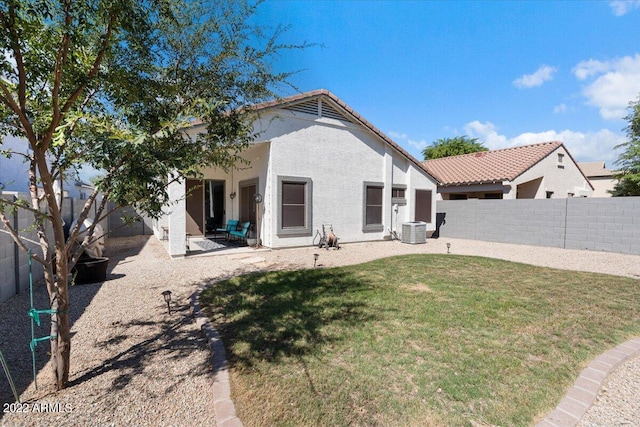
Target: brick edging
pixel 223 406
pixel 581 396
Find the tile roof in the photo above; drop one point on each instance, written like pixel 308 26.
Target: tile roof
pixel 489 166
pixel 595 169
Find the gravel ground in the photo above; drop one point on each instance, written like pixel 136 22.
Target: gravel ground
pixel 618 402
pixel 134 364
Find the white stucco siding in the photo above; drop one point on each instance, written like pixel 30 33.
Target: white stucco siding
pixel 338 158
pixel 176 219
pixel 14 171
pixel 561 181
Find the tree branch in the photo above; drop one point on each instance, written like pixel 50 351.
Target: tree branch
pixel 27 208
pixel 61 60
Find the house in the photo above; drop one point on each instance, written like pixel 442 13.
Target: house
pixel 14 171
pixel 601 178
pixel 316 161
pixel 537 171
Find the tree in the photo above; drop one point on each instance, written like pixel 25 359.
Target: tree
pixel 629 160
pixel 446 147
pixel 113 84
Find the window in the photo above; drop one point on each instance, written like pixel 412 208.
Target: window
pixel 294 201
pixel 398 195
pixel 549 194
pixel 493 195
pixel 293 204
pixel 458 197
pixel 373 207
pixel 560 161
pixel 570 194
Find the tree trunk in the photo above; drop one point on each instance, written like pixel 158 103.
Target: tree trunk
pixel 60 324
pixel 60 328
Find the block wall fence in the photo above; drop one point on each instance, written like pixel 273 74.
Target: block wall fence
pixel 14 262
pixel 610 224
pixel 599 224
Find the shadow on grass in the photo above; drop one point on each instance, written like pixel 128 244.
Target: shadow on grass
pixel 267 317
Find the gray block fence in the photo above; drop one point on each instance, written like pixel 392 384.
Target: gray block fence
pixel 14 263
pixel 598 224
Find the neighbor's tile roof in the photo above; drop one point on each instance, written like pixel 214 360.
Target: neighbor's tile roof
pixel 594 169
pixel 489 166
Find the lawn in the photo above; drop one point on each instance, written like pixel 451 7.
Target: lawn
pixel 415 340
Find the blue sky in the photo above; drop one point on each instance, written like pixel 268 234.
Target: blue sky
pixel 506 72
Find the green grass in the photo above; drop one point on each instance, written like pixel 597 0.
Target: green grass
pixel 415 340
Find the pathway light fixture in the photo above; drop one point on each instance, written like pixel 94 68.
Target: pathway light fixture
pixel 167 299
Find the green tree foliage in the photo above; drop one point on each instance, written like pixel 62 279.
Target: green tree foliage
pixel 629 160
pixel 113 84
pixel 446 147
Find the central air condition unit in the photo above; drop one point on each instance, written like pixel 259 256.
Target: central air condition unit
pixel 414 232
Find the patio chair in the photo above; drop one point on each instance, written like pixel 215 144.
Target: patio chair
pixel 232 225
pixel 242 233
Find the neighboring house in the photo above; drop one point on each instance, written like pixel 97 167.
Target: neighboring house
pixel 316 161
pixel 601 178
pixel 14 171
pixel 536 171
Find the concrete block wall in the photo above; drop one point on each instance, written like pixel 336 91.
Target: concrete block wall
pixel 602 224
pixel 119 228
pixel 14 262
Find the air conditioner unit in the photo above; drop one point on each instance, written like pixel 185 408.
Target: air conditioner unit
pixel 414 232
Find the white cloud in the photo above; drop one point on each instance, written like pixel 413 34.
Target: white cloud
pixel 621 7
pixel 397 135
pixel 541 75
pixel 417 144
pixel 560 109
pixel 589 146
pixel 586 69
pixel 611 84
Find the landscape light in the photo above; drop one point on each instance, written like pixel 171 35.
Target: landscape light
pixel 167 299
pixel 448 247
pixel 315 259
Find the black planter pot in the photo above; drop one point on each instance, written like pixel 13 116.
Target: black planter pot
pixel 90 270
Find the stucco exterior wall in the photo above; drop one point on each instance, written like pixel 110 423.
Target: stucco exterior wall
pixel 602 186
pixel 336 158
pixel 339 158
pixel 562 181
pixel 14 172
